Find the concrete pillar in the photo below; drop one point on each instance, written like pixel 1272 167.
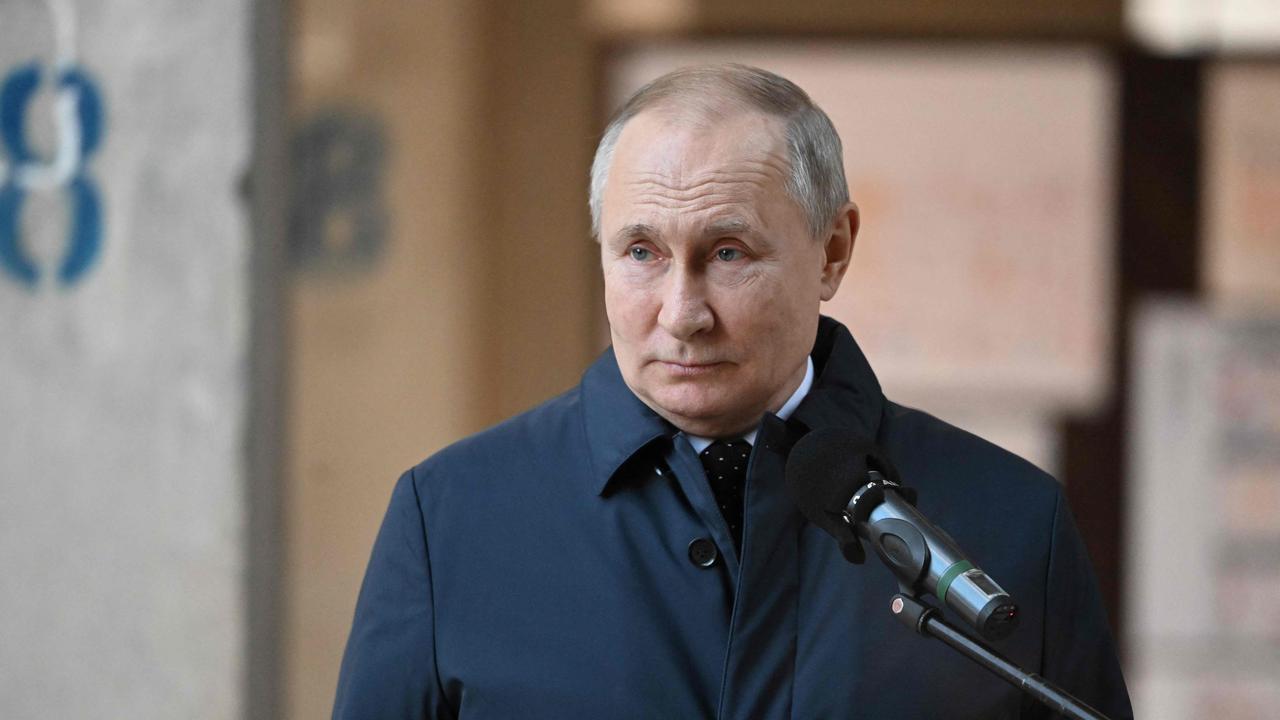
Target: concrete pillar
pixel 123 357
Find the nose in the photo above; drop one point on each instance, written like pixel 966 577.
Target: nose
pixel 685 311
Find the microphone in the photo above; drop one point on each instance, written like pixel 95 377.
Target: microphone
pixel 847 487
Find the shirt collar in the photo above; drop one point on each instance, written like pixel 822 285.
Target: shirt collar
pixel 700 443
pixel 842 392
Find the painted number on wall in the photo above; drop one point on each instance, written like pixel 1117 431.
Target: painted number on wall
pixel 338 220
pixel 77 115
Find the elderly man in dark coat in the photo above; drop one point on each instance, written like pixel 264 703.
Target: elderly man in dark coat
pixel 627 550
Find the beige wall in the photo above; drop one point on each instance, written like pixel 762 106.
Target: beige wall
pixel 479 303
pixel 370 390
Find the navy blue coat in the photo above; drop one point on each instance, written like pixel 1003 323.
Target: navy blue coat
pixel 541 569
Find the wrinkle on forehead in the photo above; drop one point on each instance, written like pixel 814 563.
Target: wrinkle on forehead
pixel 753 172
pixel 665 166
pixel 746 179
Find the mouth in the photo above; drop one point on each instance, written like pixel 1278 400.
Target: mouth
pixel 685 369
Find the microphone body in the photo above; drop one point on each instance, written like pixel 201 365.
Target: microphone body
pixel 926 559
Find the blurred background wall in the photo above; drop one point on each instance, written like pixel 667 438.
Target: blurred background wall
pixel 293 247
pixel 437 199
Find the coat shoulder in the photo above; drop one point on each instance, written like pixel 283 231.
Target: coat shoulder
pixel 526 445
pixel 934 454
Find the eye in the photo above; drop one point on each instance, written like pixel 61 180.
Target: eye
pixel 639 254
pixel 728 254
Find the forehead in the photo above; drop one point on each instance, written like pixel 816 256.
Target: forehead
pixel 699 169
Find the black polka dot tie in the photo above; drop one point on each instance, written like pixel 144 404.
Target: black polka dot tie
pixel 726 466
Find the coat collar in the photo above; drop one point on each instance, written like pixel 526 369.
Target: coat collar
pixel 618 425
pixel 846 392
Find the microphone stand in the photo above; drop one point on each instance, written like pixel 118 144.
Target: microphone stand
pixel 927 621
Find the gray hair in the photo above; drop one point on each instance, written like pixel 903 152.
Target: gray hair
pixel 816 181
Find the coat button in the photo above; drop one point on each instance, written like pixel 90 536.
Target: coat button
pixel 703 553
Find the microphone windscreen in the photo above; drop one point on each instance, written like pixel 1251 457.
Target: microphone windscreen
pixel 823 471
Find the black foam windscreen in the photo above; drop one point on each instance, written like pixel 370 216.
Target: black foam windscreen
pixel 823 471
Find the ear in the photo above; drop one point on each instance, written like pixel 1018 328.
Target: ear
pixel 837 249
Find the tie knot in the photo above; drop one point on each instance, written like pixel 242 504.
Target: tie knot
pixel 726 457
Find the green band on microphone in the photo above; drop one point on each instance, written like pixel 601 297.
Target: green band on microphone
pixel 948 577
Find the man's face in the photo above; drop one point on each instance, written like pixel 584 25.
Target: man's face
pixel 712 278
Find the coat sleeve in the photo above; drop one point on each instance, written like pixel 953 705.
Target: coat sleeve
pixel 1079 652
pixel 389 668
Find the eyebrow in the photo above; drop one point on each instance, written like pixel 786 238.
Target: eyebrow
pixel 635 231
pixel 717 229
pixel 729 226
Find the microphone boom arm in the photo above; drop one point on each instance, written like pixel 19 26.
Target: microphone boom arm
pixel 927 621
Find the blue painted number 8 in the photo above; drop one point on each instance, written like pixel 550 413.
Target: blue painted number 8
pixel 86 226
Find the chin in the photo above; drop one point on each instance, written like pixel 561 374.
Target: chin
pixel 688 400
pixel 705 418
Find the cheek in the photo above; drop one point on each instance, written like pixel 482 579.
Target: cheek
pixel 766 300
pixel 628 309
pixel 769 316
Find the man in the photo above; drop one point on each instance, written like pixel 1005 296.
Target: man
pixel 627 550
